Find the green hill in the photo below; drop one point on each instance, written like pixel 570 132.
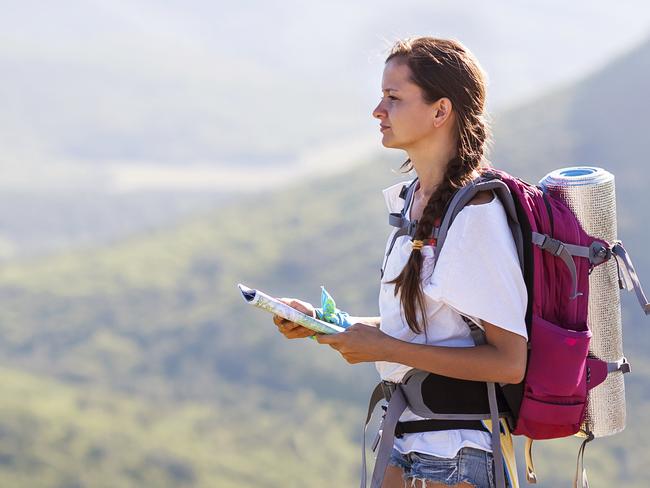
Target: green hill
pixel 56 435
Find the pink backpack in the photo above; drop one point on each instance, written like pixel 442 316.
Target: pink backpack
pixel 556 257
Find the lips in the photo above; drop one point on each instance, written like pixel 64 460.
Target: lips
pixel 383 127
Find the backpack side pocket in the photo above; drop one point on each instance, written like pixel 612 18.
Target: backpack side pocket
pixel 558 359
pixel 555 390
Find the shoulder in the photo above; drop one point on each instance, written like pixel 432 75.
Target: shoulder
pixel 483 216
pixel 482 198
pixel 484 207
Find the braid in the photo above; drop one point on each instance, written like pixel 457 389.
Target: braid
pixel 458 173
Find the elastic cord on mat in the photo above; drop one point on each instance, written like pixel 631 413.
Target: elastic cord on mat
pixel 580 480
pixel 531 476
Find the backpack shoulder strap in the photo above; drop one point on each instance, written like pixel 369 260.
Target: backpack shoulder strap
pixel 400 220
pixel 485 182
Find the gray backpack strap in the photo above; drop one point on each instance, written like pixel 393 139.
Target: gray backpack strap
pixel 400 220
pixel 478 336
pixel 376 396
pixel 597 253
pixel 620 365
pixel 465 194
pixel 620 254
pixel 396 405
pixel 407 194
pixel 561 250
pixel 499 468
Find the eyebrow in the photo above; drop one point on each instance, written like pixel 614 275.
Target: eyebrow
pixel 389 89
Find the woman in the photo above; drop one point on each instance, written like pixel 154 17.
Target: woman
pixel 433 108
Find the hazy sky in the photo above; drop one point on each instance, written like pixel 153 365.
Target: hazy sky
pixel 208 86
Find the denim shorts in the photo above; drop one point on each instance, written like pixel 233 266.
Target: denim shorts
pixel 473 466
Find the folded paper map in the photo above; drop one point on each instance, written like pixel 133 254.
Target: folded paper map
pixel 275 306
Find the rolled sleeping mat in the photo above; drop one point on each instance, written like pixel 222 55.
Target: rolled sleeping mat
pixel 590 193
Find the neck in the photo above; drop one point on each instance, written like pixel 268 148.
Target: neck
pixel 430 167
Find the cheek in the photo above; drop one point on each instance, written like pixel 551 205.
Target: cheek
pixel 410 124
pixel 409 116
pixel 419 124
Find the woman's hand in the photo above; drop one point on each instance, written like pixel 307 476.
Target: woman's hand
pixel 289 329
pixel 359 343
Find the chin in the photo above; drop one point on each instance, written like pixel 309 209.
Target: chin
pixel 386 142
pixel 389 145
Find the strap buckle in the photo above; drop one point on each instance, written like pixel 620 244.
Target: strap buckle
pixel 599 253
pixel 399 430
pixel 411 228
pixel 620 365
pixel 553 246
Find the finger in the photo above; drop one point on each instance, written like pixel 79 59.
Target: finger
pixel 278 320
pixel 284 300
pixel 299 333
pixel 327 339
pixel 284 331
pixel 286 325
pixel 292 334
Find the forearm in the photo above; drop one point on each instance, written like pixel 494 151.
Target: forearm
pixel 480 363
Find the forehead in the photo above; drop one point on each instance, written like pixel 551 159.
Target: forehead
pixel 397 76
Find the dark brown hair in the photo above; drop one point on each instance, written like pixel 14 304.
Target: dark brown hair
pixel 442 68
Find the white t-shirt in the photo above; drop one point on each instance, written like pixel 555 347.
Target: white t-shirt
pixel 477 274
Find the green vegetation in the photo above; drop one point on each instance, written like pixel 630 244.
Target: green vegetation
pixel 57 435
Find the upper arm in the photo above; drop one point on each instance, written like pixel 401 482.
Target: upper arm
pixel 513 348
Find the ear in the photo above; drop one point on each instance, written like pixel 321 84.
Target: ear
pixel 442 110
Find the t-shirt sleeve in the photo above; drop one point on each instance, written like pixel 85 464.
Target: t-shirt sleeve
pixel 478 272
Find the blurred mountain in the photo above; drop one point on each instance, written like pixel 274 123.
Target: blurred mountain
pixel 601 121
pixel 38 224
pixel 121 117
pixel 188 375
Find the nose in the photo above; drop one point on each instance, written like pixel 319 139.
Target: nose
pixel 379 112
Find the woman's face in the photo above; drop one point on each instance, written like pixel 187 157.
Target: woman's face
pixel 405 118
